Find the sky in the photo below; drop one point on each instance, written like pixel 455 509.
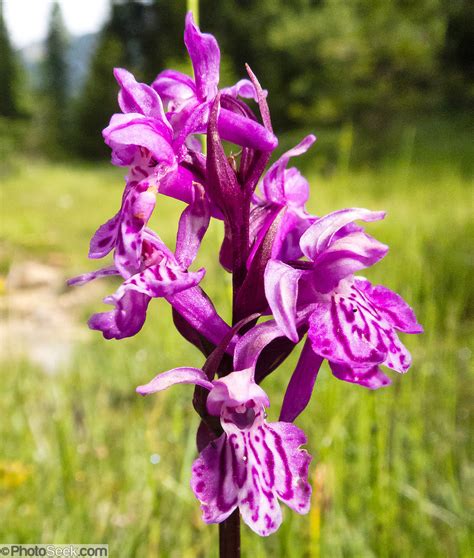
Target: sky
pixel 27 20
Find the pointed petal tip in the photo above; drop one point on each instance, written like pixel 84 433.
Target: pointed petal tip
pixel 119 73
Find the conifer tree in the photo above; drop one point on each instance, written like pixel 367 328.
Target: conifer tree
pixel 8 105
pixel 55 82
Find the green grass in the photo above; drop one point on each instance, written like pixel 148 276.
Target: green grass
pixel 391 469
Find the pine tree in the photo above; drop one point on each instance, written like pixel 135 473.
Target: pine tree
pixel 8 105
pixel 98 99
pixel 55 84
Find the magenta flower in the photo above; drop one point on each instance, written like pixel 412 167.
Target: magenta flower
pixel 288 189
pixel 160 273
pixel 253 464
pixel 351 323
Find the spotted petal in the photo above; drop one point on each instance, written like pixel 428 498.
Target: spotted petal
pixel 391 305
pixel 348 329
pixel 138 206
pixel 161 280
pixel 92 275
pixel 104 238
pixel 252 469
pixel 125 320
pixel 192 227
pixel 372 377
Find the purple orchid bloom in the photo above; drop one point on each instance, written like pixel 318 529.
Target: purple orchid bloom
pixel 253 464
pixel 351 323
pixel 160 273
pixel 140 138
pixel 189 101
pixel 283 188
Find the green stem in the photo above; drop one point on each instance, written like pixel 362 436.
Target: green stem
pixel 193 6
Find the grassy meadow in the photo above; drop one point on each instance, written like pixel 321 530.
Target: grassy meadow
pixel 83 459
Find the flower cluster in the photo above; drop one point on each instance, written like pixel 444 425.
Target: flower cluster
pixel 292 268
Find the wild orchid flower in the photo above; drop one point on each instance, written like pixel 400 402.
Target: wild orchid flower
pixel 253 464
pixel 351 323
pixel 284 188
pixel 160 273
pixel 288 266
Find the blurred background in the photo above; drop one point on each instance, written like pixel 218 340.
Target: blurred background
pixel 388 89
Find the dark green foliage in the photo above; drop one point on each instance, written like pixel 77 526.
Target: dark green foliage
pixel 98 100
pixel 458 53
pixel 8 104
pixel 332 61
pixel 55 85
pixel 162 36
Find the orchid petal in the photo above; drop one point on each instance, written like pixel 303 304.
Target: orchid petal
pixel 349 330
pixel 213 480
pixel 250 345
pixel 372 378
pixel 137 209
pixel 343 257
pixel 134 129
pixel 243 88
pixel 174 87
pixel 291 465
pixel 274 181
pixel 161 280
pixel 391 305
pixel 178 185
pixel 139 97
pixel 318 237
pixel 205 57
pixel 235 389
pixel 192 227
pixel 104 238
pixel 86 277
pixel 251 470
pixel 244 131
pixel 176 376
pixel 281 289
pixel 125 320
